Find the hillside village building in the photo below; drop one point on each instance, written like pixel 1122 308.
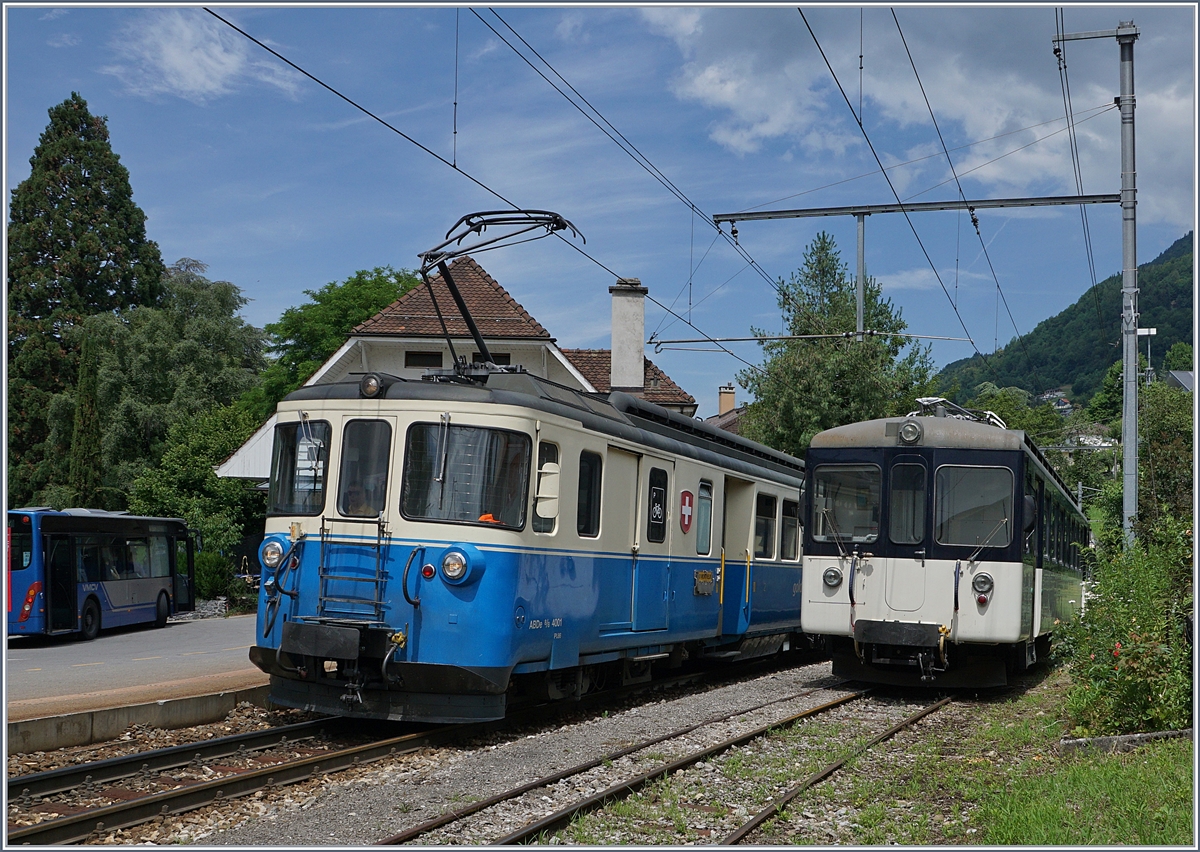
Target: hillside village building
pixel 405 339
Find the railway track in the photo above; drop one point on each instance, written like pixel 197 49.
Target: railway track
pixel 172 781
pixel 539 829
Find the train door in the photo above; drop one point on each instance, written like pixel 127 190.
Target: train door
pixel 620 533
pixel 908 512
pixel 60 576
pixel 652 563
pixel 736 528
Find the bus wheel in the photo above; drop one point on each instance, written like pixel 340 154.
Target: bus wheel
pixel 91 620
pixel 164 609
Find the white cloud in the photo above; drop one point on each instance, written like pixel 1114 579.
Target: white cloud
pixel 922 278
pixel 570 29
pixel 984 73
pixel 53 14
pixel 63 40
pixel 192 56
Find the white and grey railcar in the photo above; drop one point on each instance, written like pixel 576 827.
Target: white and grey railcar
pixel 938 550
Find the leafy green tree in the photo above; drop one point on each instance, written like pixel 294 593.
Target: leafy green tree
pixel 305 336
pixel 807 386
pixel 169 363
pixel 1165 484
pixel 183 484
pixel 76 246
pixel 1179 357
pixel 86 467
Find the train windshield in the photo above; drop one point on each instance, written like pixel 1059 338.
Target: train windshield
pixel 846 502
pixel 299 468
pixel 974 505
pixel 465 474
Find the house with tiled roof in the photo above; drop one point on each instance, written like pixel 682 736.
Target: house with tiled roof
pixel 406 338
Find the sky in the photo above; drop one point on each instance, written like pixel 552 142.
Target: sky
pixel 280 186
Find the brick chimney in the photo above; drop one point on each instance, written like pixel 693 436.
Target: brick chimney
pixel 628 360
pixel 725 399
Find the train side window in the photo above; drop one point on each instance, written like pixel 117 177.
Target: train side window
pixel 587 519
pixel 704 501
pixel 362 480
pixel 764 527
pixel 656 520
pixel 974 505
pixel 906 511
pixel 545 501
pixel 789 531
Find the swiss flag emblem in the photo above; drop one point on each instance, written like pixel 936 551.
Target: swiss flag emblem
pixel 685 510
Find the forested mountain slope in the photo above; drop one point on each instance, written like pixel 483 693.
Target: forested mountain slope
pixel 1072 351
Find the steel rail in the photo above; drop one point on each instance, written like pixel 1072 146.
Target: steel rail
pixel 80 827
pixel 625 788
pixel 778 804
pixel 473 808
pixel 67 778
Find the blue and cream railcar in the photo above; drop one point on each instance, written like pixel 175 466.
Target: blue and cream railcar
pixel 938 550
pixel 434 547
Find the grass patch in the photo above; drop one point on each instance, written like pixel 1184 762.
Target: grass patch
pixel 1140 798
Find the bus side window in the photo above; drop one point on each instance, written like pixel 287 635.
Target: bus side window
pixel 87 557
pixel 112 560
pixel 139 559
pixel 160 557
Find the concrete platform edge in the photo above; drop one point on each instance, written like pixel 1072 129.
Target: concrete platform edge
pixel 92 726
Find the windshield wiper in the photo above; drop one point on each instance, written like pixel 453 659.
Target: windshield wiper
pixel 837 536
pixel 984 543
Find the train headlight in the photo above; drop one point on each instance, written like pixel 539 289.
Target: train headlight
pixel 454 565
pixel 272 554
pixel 982 584
pixel 461 564
pixel 370 386
pixel 832 577
pixel 910 432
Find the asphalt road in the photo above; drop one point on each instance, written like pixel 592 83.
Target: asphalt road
pixel 49 676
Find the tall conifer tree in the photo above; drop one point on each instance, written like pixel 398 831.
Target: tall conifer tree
pixel 76 246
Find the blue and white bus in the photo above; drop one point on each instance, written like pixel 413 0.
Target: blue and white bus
pixel 76 570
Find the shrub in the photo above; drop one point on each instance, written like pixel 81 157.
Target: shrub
pixel 213 575
pixel 1130 659
pixel 242 598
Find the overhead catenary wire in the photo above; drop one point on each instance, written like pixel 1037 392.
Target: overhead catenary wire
pixel 605 126
pixel 974 218
pixel 1060 52
pixel 891 186
pixel 451 164
pixel 1095 111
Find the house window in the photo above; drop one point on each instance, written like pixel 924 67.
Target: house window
pixel 422 359
pixel 500 359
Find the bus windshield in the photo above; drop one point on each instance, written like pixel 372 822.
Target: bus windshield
pixel 845 502
pixel 465 474
pixel 20 547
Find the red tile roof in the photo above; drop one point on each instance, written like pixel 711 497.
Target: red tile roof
pixel 596 367
pixel 496 313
